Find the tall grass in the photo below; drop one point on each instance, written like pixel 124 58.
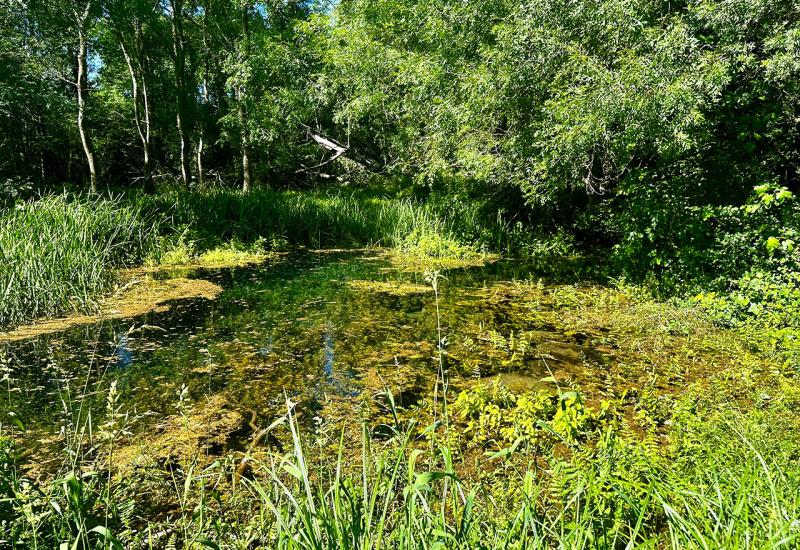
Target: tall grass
pixel 317 219
pixel 402 493
pixel 405 498
pixel 57 254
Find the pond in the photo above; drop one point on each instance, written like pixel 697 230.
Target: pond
pixel 325 329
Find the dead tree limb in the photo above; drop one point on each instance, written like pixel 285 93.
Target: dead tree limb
pixel 340 150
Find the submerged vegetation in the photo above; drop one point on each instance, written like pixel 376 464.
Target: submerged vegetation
pixel 399 273
pixel 689 445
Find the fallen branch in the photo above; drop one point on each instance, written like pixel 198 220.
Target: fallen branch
pixel 339 150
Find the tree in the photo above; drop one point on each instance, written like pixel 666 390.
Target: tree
pixel 83 16
pixel 241 96
pixel 128 21
pixel 184 87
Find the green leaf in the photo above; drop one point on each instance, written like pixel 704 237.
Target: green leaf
pixel 293 470
pixel 505 452
pixel 773 243
pixel 208 543
pixel 423 479
pixel 108 536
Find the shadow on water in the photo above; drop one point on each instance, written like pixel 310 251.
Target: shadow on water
pixel 294 328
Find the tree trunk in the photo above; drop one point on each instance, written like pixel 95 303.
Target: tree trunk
pixel 80 85
pixel 181 89
pixel 244 133
pixel 186 165
pixel 141 113
pixel 40 140
pixel 246 186
pixel 204 114
pixel 201 176
pixel 148 184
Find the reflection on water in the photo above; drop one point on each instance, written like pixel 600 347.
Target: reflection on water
pixel 327 345
pixel 123 352
pixel 295 328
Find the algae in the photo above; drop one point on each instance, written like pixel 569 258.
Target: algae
pixel 391 288
pixel 139 295
pixel 411 262
pixel 338 337
pixel 194 435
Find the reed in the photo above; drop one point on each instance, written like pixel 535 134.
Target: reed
pixel 320 219
pixel 59 253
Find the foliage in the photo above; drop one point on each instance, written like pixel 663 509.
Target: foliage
pixel 502 418
pixel 59 253
pixel 631 126
pixel 726 482
pixel 657 140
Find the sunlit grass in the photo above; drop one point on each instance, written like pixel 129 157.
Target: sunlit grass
pixel 181 253
pixel 58 254
pixel 733 490
pixel 319 219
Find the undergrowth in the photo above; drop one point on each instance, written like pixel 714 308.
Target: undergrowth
pixel 726 481
pixel 483 467
pixel 320 219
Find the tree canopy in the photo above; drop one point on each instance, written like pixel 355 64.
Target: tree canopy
pixel 621 118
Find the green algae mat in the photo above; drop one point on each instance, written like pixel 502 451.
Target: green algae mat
pixel 332 330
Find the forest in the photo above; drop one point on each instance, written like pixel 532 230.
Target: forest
pixel 399 274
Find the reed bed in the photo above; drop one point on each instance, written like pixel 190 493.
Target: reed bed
pixel 59 253
pixel 316 219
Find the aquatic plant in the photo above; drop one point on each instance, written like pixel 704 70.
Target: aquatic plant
pixel 319 219
pixel 59 253
pixel 701 452
pixel 732 491
pixel 569 466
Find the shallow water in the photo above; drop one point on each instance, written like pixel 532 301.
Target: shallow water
pixel 295 329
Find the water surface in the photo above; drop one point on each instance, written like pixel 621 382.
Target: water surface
pixel 295 328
